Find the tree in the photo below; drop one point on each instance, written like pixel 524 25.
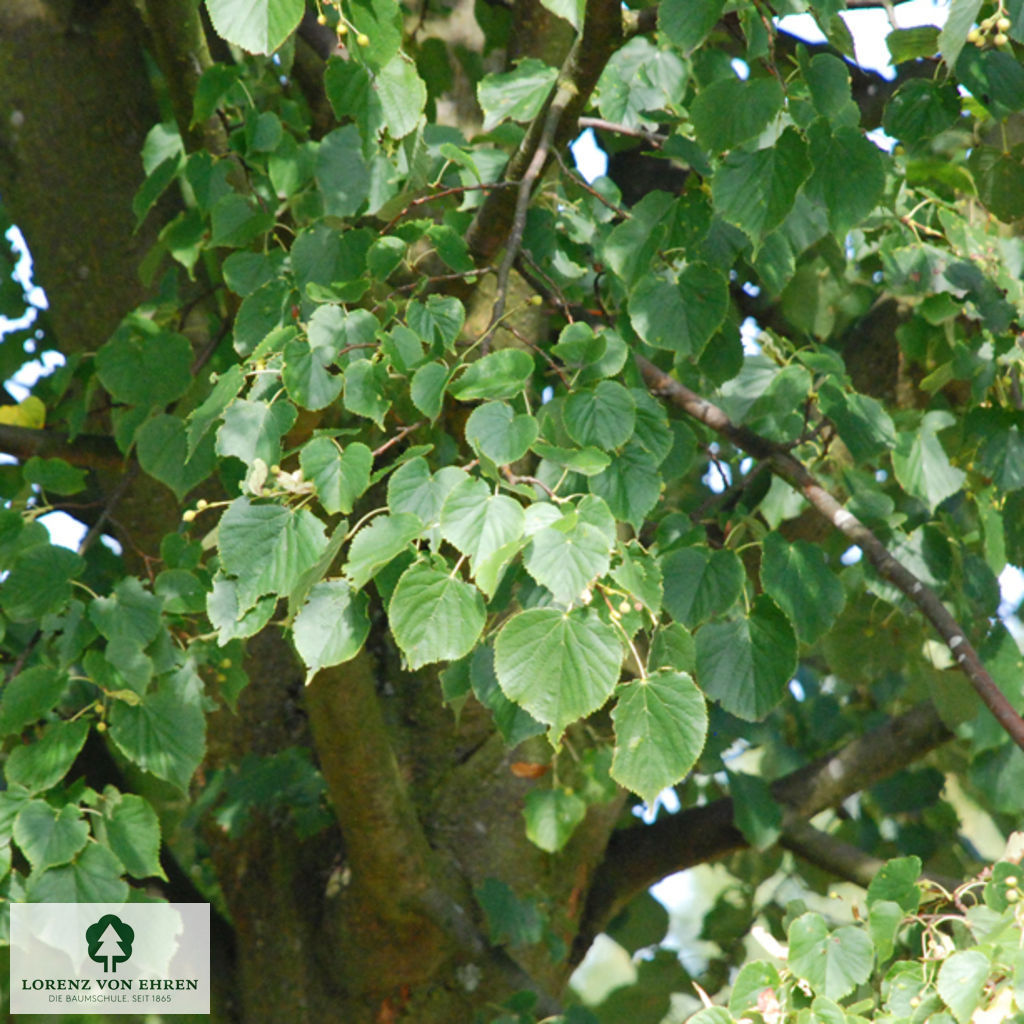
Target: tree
pixel 452 517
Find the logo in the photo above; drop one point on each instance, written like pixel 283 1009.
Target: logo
pixel 109 958
pixel 110 941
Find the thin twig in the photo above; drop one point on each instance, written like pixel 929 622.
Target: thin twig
pixel 108 507
pixel 513 478
pixel 797 475
pixel 656 139
pixel 523 339
pixel 398 437
pixel 547 289
pixel 582 182
pixel 442 194
pixel 562 97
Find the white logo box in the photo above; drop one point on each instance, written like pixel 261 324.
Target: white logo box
pixel 110 958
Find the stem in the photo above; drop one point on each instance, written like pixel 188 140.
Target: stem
pixel 797 475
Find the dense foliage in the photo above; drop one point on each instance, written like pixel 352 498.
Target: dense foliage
pixel 405 390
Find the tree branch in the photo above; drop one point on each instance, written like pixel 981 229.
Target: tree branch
pixel 563 96
pixel 602 34
pixel 88 451
pixel 640 856
pixel 886 565
pixel 844 860
pixel 646 20
pixel 179 42
pixel 385 845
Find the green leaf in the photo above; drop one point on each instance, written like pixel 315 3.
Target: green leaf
pixel 1002 456
pixel 896 881
pixel 496 432
pixel 631 485
pixel 236 221
pixel 94 876
pixel 700 583
pixel 921 464
pixel 200 420
pixel 746 664
pixel 381 22
pixel 331 627
pixel 552 816
pixel 28 696
pixel 501 374
pixel 753 978
pixel 479 522
pixel 131 613
pixel 54 475
pixel 683 316
pixel 864 425
pixel 142 365
pixel 755 812
pixel 253 430
pixel 1000 182
pixel 800 581
pixel 305 375
pixel 339 475
pixel 840 156
pixel 163 453
pixel 603 416
pixel 39 582
pixel 661 722
pixel 920 109
pixel 341 172
pixel 402 95
pixel 711 1015
pixel 829 82
pixel 572 11
pixel 377 544
pixel 560 666
pixel 268 548
pixel 884 921
pixel 686 23
pixel 994 78
pixel 427 389
pixel 513 722
pixel 259 26
pixel 412 488
pixel 515 95
pixel 639 575
pixel 49 837
pixel 439 321
pixel 632 245
pixel 38 766
pixel 832 964
pixel 164 734
pixel 434 616
pixel 960 20
pixel 585 461
pixel 567 556
pixel 730 111
pixel 756 191
pixel 673 647
pixel 364 386
pixel 911 43
pixel 133 833
pixel 232 621
pixel 510 920
pixel 642 923
pixel 961 981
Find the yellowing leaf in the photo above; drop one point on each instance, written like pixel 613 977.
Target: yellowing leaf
pixel 31 413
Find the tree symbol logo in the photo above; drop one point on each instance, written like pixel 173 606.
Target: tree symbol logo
pixel 110 941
